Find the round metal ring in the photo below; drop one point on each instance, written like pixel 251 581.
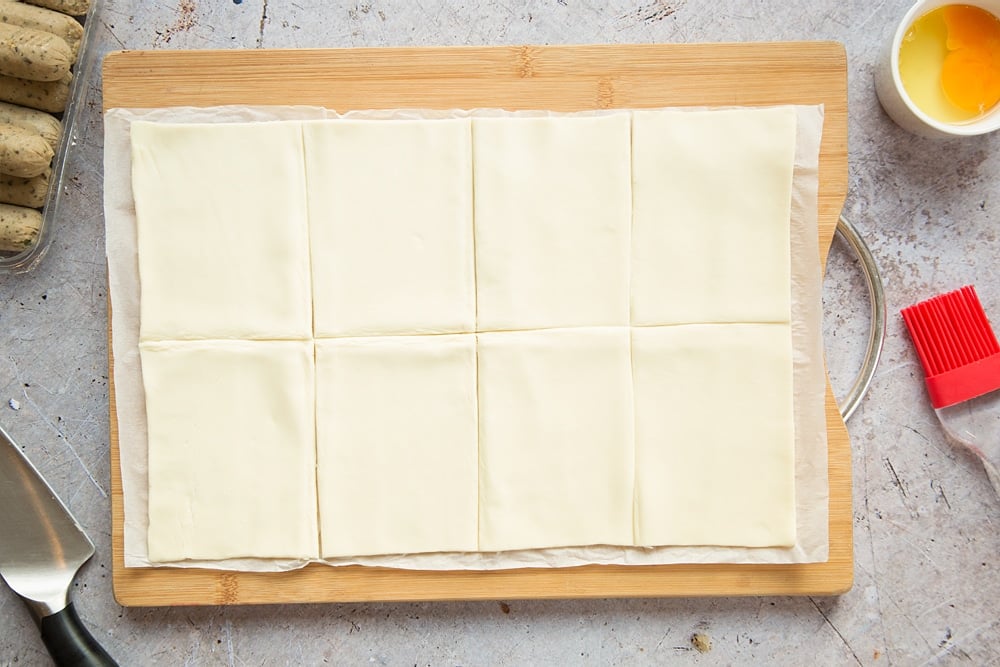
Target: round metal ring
pixel 876 301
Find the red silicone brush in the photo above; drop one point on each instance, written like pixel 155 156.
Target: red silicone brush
pixel 961 359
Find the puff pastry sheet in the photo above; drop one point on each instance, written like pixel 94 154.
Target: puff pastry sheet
pixel 474 333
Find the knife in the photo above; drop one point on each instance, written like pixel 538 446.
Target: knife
pixel 41 549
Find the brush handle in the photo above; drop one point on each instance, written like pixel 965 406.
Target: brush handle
pixel 994 476
pixel 976 425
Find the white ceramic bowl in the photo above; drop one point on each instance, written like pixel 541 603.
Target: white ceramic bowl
pixel 896 102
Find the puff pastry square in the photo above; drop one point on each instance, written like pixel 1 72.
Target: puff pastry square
pixel 390 213
pixel 231 454
pixel 222 231
pixel 397 444
pixel 553 221
pixel 712 205
pixel 715 451
pixel 555 439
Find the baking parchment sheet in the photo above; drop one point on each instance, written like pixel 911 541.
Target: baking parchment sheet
pixel 809 379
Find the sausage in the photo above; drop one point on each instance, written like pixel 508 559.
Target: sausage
pixel 19 228
pixel 32 54
pixel 22 152
pixel 46 20
pixel 39 122
pixel 45 95
pixel 71 7
pixel 28 192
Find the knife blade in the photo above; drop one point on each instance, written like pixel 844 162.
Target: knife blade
pixel 41 549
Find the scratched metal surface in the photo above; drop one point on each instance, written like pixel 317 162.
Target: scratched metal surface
pixel 927 544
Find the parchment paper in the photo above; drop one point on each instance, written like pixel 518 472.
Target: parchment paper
pixel 809 379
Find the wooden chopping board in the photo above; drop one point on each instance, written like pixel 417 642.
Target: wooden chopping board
pixel 557 78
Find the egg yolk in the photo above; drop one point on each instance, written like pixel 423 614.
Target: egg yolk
pixel 970 73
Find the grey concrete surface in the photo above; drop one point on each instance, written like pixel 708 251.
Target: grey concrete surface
pixel 927 545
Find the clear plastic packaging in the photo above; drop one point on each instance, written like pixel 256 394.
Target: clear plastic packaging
pixel 86 61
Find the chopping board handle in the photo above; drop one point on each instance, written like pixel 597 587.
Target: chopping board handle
pixel 70 644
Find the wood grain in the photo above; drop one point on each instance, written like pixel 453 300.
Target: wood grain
pixel 558 78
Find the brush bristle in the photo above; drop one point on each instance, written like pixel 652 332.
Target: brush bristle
pixel 951 333
pixel 950 330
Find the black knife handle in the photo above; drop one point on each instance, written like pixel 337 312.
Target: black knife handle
pixel 70 644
